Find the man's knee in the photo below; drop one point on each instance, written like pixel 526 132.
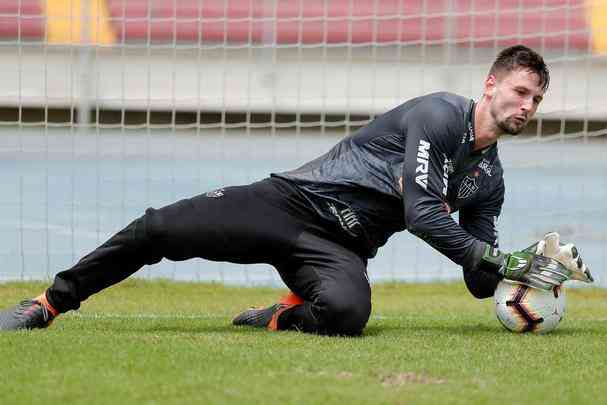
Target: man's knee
pixel 344 314
pixel 153 225
pixel 481 284
pixel 146 233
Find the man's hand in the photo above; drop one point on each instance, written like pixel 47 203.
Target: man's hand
pixel 528 268
pixel 568 255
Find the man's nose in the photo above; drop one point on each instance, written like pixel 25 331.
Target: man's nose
pixel 527 104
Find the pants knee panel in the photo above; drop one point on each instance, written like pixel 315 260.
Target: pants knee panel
pixel 152 226
pixel 148 234
pixel 344 315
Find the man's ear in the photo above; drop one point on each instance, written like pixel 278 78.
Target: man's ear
pixel 490 86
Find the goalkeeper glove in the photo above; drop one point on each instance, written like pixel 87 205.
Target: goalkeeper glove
pixel 568 255
pixel 527 268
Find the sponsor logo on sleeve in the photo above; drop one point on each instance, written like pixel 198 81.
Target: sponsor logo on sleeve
pixel 471 131
pixel 447 170
pixel 468 134
pixel 423 154
pixel 486 166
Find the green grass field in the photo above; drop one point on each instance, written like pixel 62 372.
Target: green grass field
pixel 158 342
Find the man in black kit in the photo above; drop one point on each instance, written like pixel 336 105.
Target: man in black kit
pixel 410 168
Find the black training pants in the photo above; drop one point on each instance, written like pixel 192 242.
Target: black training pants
pixel 265 222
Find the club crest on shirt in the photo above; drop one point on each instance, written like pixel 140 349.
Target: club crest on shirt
pixel 215 193
pixel 467 187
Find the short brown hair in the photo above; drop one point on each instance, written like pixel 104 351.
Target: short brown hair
pixel 519 56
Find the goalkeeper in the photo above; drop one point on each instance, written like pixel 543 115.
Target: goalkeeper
pixel 410 168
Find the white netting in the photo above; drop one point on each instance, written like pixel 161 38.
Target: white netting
pixel 185 96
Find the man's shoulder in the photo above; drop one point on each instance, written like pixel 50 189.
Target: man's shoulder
pixel 442 108
pixel 444 99
pixel 438 100
pixel 445 118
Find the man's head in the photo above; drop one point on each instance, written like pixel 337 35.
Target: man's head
pixel 515 87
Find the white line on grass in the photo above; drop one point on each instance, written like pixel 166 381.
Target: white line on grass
pixel 172 316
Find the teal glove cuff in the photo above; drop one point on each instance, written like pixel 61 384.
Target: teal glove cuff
pixel 493 259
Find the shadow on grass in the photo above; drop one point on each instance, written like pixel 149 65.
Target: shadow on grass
pixel 594 331
pixel 447 329
pixel 371 331
pixel 479 330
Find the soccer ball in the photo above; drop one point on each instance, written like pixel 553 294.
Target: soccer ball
pixel 525 309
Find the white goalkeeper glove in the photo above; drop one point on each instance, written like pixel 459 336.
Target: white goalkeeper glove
pixel 567 255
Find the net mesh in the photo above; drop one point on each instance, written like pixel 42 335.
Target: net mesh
pixel 110 106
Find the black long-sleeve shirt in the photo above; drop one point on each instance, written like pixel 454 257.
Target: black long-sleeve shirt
pixel 410 168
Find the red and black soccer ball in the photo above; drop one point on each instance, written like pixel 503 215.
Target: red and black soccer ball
pixel 521 308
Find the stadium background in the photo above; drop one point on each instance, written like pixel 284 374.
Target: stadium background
pixel 108 107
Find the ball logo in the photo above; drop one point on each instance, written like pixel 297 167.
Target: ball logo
pixel 518 305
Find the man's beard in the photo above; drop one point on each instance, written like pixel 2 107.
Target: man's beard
pixel 510 127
